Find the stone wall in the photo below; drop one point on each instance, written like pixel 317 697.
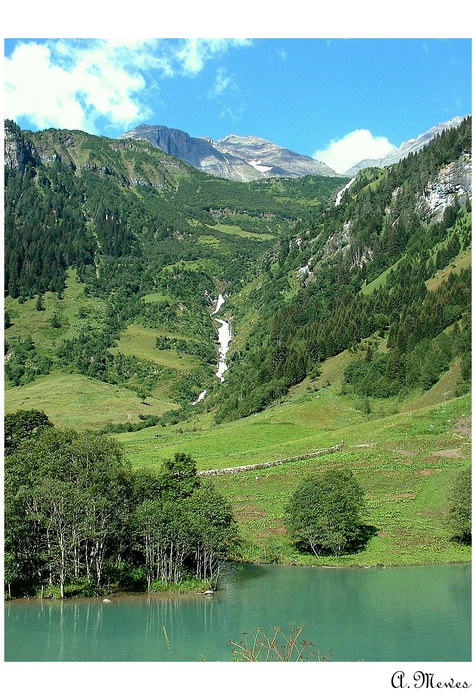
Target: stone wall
pixel 266 465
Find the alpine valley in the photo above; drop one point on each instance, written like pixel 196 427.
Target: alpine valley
pixel 345 330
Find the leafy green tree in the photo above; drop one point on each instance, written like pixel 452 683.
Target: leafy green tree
pixel 214 529
pixel 163 531
pixel 180 525
pixel 21 425
pixel 460 506
pixel 67 503
pixel 325 512
pixel 179 476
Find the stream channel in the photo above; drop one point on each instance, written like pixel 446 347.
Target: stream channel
pixel 404 614
pixel 224 339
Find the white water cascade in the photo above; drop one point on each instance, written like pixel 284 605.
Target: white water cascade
pixel 341 192
pixel 224 339
pixel 201 396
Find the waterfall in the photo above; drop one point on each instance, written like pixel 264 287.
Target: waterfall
pixel 224 339
pixel 341 192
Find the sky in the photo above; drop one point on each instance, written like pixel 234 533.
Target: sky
pixel 338 100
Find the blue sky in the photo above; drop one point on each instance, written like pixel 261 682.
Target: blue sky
pixel 340 100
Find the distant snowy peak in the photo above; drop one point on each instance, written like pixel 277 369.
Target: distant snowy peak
pixel 239 158
pixel 270 159
pixel 246 158
pixel 410 146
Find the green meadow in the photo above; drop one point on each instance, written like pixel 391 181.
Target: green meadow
pixel 140 342
pixel 405 456
pixel 74 310
pixel 81 403
pixel 404 453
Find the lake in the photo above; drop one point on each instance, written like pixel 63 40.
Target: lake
pixel 420 613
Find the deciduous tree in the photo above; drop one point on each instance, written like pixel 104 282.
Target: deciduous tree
pixel 325 512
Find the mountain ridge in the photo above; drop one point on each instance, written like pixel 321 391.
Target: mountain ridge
pixel 238 158
pixel 411 146
pixel 157 240
pixel 248 158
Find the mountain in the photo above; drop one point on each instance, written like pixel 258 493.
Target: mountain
pixel 115 252
pixel 150 240
pixel 238 158
pixel 271 160
pixel 247 158
pixel 375 277
pixel 410 146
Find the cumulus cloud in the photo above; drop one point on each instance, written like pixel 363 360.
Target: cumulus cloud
pixel 72 84
pixel 341 154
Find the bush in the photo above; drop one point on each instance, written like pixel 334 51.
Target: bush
pixel 324 513
pixel 460 506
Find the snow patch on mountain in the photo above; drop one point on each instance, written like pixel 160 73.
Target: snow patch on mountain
pixel 259 167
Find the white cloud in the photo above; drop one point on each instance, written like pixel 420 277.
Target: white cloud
pixel 71 84
pixel 360 144
pixel 194 53
pixel 223 83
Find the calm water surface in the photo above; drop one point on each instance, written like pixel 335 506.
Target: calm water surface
pixel 404 614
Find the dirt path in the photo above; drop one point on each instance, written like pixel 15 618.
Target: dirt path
pixel 463 426
pixel 448 453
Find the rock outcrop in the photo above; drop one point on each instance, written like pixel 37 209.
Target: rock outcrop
pixel 452 186
pixel 17 151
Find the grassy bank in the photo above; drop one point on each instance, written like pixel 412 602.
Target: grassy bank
pixel 405 457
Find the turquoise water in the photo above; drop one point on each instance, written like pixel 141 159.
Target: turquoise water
pixel 402 614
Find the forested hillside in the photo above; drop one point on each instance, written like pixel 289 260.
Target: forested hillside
pixel 385 274
pixel 151 239
pixel 115 253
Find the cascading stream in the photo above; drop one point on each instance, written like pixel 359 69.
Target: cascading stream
pixel 224 339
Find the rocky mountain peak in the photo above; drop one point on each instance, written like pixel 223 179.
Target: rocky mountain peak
pixel 240 158
pixel 411 146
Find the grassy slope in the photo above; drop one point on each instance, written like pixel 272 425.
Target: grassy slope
pixel 461 261
pixel 406 462
pixel 27 320
pixel 238 231
pixel 405 456
pixel 140 342
pixel 81 403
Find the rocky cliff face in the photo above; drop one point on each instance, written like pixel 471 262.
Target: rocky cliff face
pixel 17 152
pixel 452 185
pixel 271 160
pixel 239 158
pixel 411 146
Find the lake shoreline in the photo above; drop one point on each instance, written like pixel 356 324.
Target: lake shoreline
pixel 173 594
